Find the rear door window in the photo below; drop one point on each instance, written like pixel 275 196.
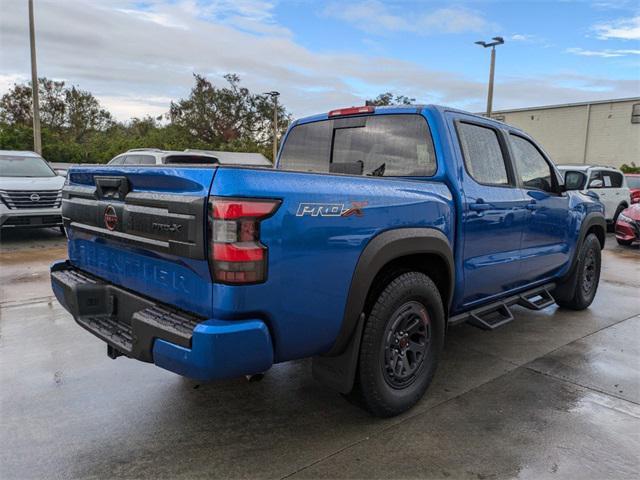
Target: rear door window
pixel 595 175
pixel 483 155
pixel 612 179
pixel 380 145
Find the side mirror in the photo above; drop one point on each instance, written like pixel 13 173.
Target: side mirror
pixel 596 183
pixel 574 180
pixel 61 173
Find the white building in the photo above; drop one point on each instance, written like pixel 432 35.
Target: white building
pixel 605 132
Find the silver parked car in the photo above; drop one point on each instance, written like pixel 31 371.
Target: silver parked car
pixel 30 191
pixel 155 156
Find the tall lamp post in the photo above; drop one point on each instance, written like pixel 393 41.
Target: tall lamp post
pixel 496 41
pixel 37 142
pixel 274 96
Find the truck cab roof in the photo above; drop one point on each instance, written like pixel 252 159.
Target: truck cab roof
pixel 414 108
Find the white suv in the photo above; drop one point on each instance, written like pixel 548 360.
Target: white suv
pixel 155 156
pixel 30 191
pixel 608 182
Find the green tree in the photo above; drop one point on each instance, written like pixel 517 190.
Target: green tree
pixel 75 128
pixel 388 98
pixel 82 114
pixel 226 115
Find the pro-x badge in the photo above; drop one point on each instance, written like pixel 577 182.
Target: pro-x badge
pixel 330 209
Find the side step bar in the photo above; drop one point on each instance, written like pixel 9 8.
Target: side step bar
pixel 536 300
pixel 496 314
pixel 490 317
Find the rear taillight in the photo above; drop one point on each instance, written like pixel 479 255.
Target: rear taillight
pixel 236 254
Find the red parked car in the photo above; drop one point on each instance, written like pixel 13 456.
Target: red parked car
pixel 628 225
pixel 633 182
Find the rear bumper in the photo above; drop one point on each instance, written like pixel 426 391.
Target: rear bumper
pixel 144 329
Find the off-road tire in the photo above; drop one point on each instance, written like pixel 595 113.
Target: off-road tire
pixel 579 289
pixel 411 293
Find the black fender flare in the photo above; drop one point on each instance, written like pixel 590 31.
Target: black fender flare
pixel 337 367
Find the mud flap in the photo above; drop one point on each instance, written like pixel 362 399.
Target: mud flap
pixel 339 372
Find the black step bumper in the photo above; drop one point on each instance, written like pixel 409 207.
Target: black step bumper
pixel 145 329
pixel 127 322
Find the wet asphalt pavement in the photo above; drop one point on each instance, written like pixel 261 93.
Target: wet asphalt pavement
pixel 554 394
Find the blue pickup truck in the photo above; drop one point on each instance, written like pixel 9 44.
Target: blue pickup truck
pixel 379 228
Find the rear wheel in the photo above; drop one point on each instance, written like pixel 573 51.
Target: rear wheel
pixel 401 345
pixel 579 290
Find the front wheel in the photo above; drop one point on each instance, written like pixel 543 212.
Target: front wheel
pixel 401 345
pixel 579 290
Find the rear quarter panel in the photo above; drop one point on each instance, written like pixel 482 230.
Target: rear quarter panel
pixel 312 258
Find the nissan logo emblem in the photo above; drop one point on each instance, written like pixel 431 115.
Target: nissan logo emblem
pixel 110 218
pixel 35 197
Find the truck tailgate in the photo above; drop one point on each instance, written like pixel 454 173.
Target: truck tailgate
pixel 144 229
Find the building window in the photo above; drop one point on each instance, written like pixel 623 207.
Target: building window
pixel 635 113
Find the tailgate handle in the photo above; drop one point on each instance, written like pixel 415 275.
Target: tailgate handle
pixel 112 188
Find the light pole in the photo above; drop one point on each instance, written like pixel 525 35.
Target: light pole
pixel 37 142
pixel 496 41
pixel 274 96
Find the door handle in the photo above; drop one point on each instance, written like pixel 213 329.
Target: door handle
pixel 479 206
pixel 532 205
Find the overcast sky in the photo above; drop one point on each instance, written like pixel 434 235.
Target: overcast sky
pixel 136 56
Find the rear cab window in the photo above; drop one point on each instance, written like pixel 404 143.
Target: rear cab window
pixel 387 145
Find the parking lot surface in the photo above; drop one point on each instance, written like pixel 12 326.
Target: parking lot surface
pixel 554 394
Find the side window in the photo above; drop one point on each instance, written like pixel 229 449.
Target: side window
pixel 595 179
pixel 308 147
pixel 533 169
pixel 612 179
pixel 140 160
pixel 482 154
pixel 117 160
